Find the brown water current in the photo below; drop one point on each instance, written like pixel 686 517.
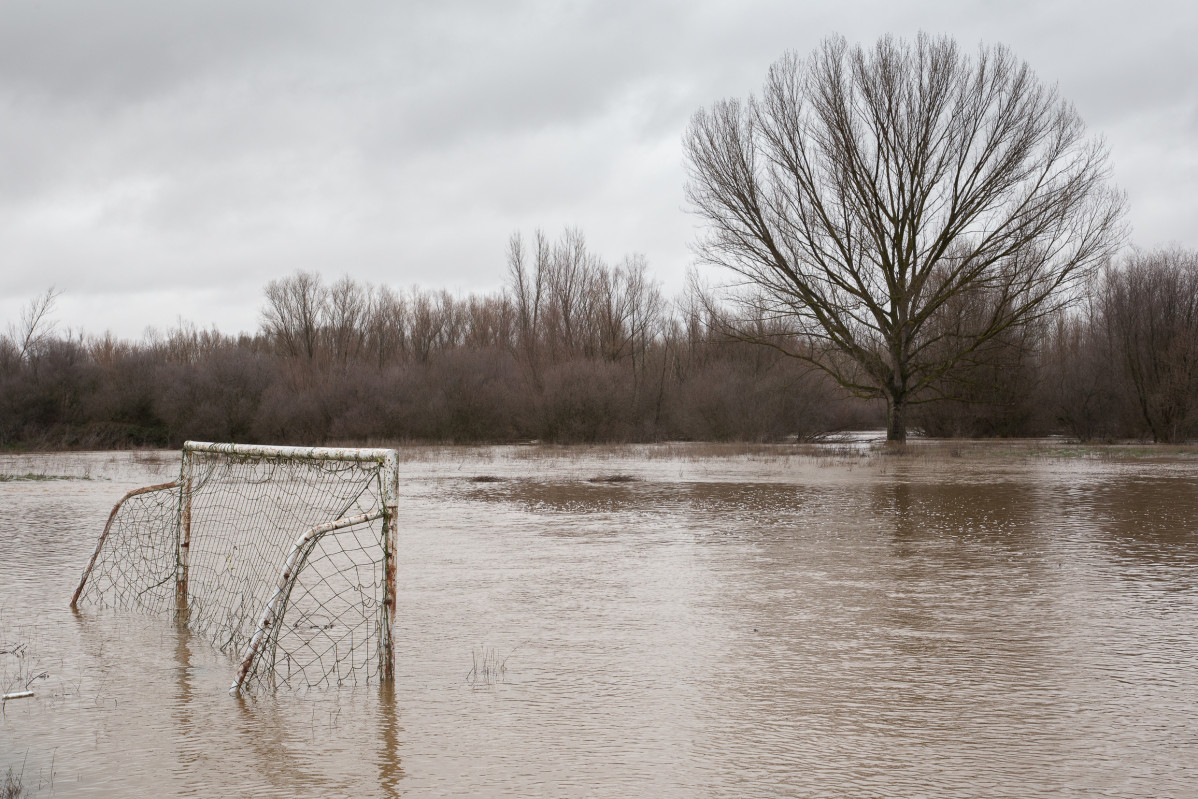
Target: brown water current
pixel 674 621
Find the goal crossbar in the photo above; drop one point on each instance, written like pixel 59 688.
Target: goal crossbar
pixel 294 453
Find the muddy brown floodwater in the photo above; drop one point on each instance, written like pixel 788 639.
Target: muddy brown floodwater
pixel 673 621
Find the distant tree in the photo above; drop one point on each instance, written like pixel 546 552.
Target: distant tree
pixel 1080 385
pixel 865 190
pixel 36 324
pixel 386 325
pixel 430 313
pixel 568 292
pixel 295 308
pixel 1149 309
pixel 345 318
pixel 527 286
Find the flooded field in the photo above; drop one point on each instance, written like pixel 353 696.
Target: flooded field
pixel 675 621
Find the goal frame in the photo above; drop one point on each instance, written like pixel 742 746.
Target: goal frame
pixel 388 463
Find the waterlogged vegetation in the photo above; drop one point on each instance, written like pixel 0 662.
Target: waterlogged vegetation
pixel 36 477
pixel 39 474
pixel 13 786
pixel 27 675
pixel 575 350
pixel 488 667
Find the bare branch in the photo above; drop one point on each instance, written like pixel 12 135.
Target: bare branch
pixel 36 325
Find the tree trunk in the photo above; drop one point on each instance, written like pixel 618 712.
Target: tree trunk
pixel 896 420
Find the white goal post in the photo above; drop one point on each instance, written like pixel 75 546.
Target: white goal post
pixel 284 556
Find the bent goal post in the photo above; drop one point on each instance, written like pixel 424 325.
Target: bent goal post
pixel 283 556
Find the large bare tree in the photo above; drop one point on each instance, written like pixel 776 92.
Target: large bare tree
pixel 867 195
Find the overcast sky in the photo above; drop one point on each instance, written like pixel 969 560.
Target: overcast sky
pixel 164 160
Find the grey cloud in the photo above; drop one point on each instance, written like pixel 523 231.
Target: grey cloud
pixel 168 149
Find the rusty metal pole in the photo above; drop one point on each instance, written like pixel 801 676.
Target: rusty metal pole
pixel 184 543
pixel 390 529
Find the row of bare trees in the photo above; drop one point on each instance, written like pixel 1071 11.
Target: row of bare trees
pixel 1128 365
pixel 1121 364
pixel 562 302
pixel 574 349
pixel 351 323
pixel 571 349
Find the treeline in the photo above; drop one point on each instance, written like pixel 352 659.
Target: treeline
pixel 1123 364
pixel 574 349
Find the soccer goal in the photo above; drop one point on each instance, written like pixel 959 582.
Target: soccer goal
pixel 283 556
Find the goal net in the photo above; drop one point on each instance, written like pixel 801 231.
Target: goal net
pixel 283 556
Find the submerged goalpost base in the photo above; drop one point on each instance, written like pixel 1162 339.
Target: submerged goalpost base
pixel 282 555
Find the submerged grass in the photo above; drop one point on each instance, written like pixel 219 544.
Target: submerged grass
pixel 614 478
pixel 13 786
pixel 487 668
pixel 1043 448
pixel 627 465
pixel 19 669
pixel 39 477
